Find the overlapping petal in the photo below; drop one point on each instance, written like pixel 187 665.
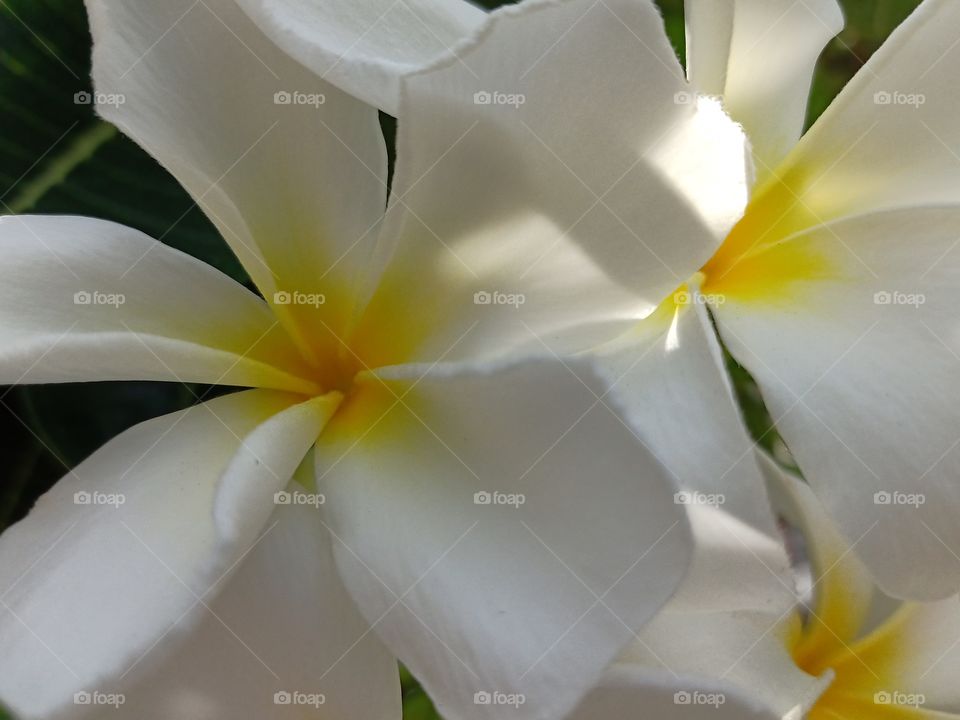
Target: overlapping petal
pixel 720 648
pixel 365 48
pixel 759 56
pixel 291 170
pixel 502 530
pixel 115 556
pixel 855 349
pixel 84 300
pixel 888 141
pixel 668 376
pixel 280 639
pixel 532 211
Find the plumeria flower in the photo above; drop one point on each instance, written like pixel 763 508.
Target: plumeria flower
pixel 834 289
pixel 837 289
pixel 420 468
pixel 842 650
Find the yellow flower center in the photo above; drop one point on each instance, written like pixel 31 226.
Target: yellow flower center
pixel 758 261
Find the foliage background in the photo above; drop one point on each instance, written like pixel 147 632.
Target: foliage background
pixel 57 157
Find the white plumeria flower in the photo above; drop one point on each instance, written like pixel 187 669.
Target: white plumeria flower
pixel 725 648
pixel 836 289
pixel 474 505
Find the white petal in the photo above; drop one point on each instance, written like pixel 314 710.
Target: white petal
pixel 282 624
pixel 83 299
pixel 558 157
pixel 365 48
pixel 533 597
pixel 889 140
pixel 859 365
pixel 668 375
pixel 295 188
pixel 118 551
pixel 726 634
pixel 759 56
pixel 628 687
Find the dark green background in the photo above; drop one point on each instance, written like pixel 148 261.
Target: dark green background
pixel 56 157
